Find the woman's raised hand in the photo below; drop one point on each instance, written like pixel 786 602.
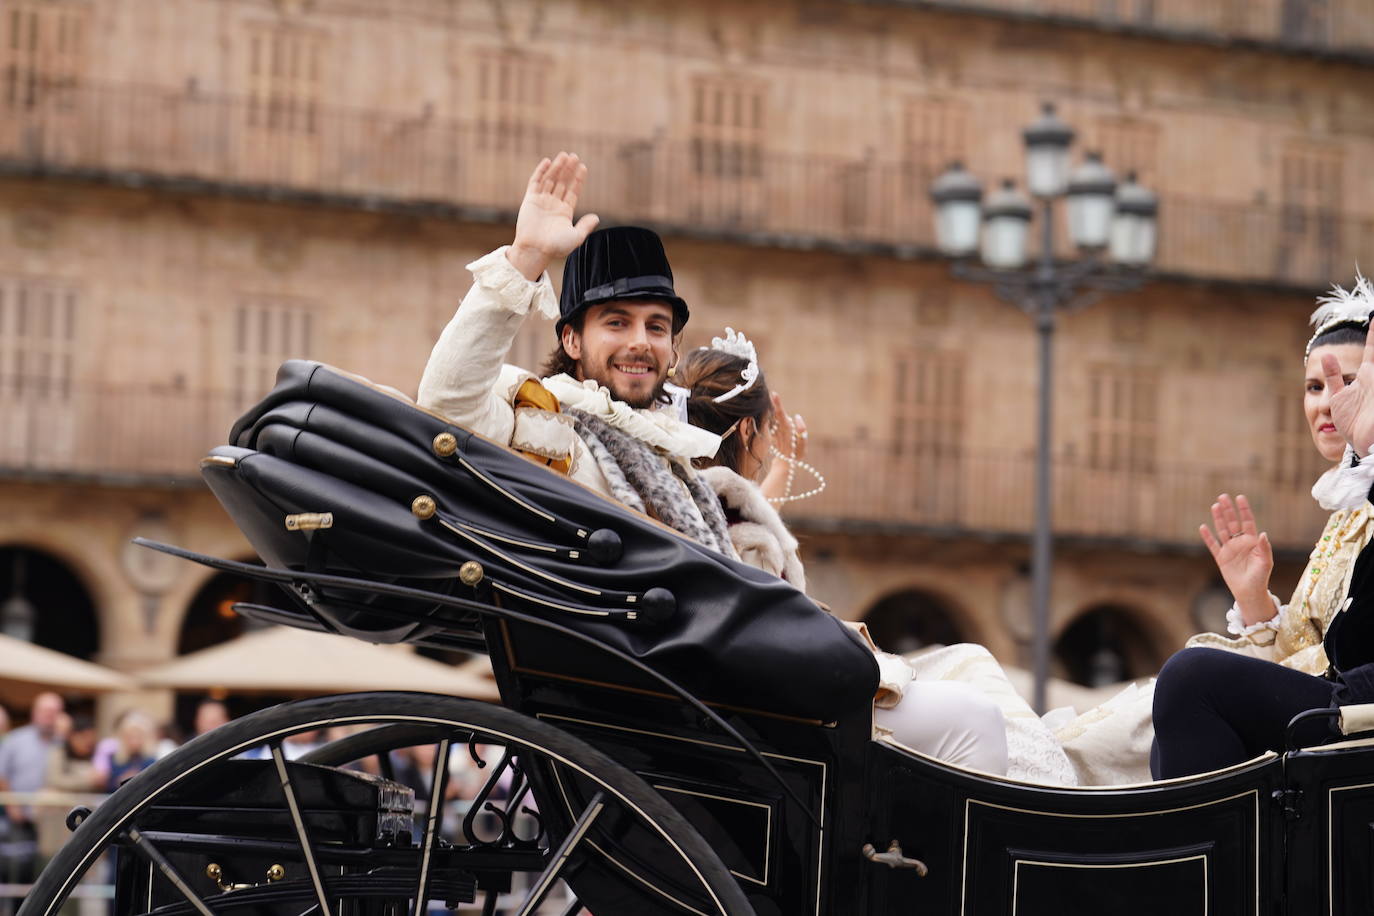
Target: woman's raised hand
pixel 1243 554
pixel 544 228
pixel 1352 406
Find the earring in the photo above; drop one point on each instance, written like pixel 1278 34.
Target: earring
pixel 672 371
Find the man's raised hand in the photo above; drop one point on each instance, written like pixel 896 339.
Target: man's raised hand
pixel 544 228
pixel 1352 406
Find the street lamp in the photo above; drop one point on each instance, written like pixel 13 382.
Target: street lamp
pixel 1103 216
pixel 17 613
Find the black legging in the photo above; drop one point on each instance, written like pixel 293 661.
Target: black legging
pixel 1214 709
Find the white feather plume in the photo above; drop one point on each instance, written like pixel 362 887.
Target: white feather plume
pixel 1341 306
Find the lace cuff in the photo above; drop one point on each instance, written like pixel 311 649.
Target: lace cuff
pixel 1235 622
pixel 513 291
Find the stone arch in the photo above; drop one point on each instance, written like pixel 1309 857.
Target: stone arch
pixel 1105 643
pixel 913 617
pixel 77 556
pixel 44 600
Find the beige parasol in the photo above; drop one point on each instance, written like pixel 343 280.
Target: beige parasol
pixel 26 670
pixel 291 661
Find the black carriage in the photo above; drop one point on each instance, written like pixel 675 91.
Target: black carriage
pixel 678 733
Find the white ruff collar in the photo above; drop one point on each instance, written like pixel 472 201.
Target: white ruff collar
pixel 658 428
pixel 1345 487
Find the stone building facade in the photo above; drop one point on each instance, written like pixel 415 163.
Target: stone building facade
pixel 193 190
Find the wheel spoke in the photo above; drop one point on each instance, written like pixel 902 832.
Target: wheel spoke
pixel 168 870
pixel 307 850
pixel 438 788
pixel 565 850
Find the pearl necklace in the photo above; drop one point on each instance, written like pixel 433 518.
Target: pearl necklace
pixel 792 465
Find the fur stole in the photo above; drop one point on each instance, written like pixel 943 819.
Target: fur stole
pixel 657 485
pixel 659 428
pixel 761 538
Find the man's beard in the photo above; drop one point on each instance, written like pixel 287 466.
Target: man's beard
pixel 606 379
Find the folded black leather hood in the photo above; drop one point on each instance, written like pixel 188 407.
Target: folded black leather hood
pixel 412 497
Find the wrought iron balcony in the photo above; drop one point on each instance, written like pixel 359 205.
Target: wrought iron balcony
pixel 64 430
pixel 1327 27
pixel 736 192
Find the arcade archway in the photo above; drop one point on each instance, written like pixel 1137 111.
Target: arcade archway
pixel 913 619
pixel 43 602
pixel 1104 645
pixel 210 620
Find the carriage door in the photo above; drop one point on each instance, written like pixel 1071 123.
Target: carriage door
pixel 1329 804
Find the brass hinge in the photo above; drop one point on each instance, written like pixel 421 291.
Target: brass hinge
pixel 309 521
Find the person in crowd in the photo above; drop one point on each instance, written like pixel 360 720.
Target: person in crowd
pixel 135 745
pixel 70 769
pixel 597 414
pixel 24 768
pixel 1112 743
pixel 210 715
pixel 1214 706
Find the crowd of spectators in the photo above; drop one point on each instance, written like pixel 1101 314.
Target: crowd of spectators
pixel 59 759
pixel 58 755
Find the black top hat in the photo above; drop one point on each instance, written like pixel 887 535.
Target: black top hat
pixel 620 262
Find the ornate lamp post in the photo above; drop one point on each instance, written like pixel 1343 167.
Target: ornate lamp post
pixel 1103 216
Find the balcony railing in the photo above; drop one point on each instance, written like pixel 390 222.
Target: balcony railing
pixel 1341 26
pixel 161 434
pixel 147 434
pixel 874 485
pixel 477 170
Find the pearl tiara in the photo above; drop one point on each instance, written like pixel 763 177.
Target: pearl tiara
pixel 736 344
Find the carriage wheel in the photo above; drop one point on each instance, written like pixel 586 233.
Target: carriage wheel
pixel 551 824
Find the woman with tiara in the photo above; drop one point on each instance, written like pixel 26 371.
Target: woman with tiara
pixel 1111 744
pixel 974 720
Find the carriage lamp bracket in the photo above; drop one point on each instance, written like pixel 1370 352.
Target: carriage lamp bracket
pixel 893 858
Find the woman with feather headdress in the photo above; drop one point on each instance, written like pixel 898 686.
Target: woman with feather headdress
pixel 1291 634
pixel 1214 708
pixel 1111 744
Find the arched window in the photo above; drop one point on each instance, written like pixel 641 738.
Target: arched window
pixel 210 618
pixel 1104 645
pixel 43 602
pixel 913 619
